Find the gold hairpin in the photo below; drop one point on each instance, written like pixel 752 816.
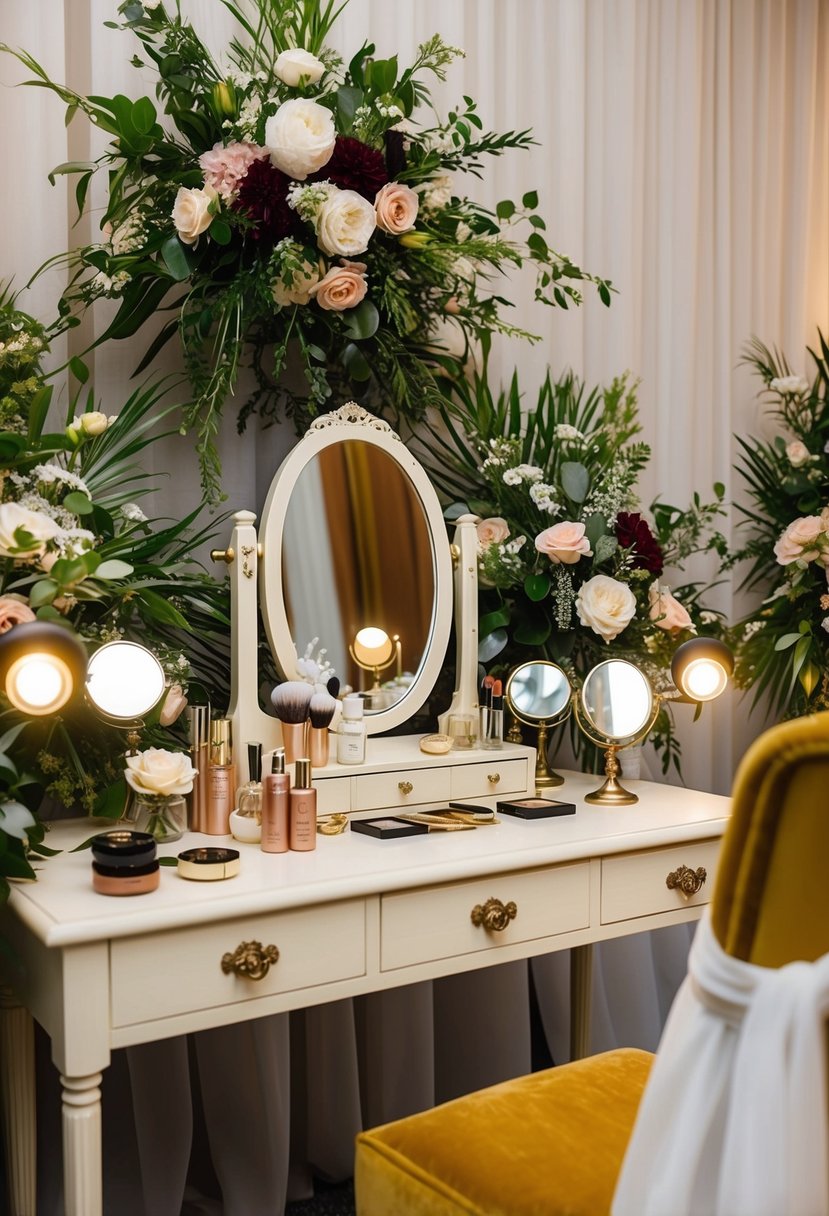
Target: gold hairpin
pixel 332 825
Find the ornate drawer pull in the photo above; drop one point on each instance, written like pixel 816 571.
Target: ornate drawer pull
pixel 493 778
pixel 687 882
pixel 494 915
pixel 405 787
pixel 250 960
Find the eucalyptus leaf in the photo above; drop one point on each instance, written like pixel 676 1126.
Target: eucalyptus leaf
pixel 491 621
pixel 575 480
pixel 78 503
pixel 595 526
pixel 537 586
pixel 455 510
pixel 43 592
pixel 113 568
pixel 606 546
pixel 361 322
pixel 15 819
pixel 492 645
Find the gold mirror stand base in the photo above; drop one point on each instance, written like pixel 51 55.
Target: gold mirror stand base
pixel 611 793
pixel 545 777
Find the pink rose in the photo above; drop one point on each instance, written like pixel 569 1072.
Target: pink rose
pixel 396 208
pixel 492 531
pixel 666 611
pixel 564 542
pixel 14 612
pixel 798 542
pixel 174 703
pixel 343 287
pixel 225 167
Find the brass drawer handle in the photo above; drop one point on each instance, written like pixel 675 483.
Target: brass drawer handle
pixel 493 778
pixel 250 960
pixel 494 915
pixel 687 882
pixel 405 787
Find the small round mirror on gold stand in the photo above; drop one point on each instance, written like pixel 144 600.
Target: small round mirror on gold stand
pixel 615 708
pixel 539 695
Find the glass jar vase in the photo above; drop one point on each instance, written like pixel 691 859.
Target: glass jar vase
pixel 164 817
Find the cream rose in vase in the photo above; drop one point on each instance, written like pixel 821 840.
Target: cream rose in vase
pixel 192 213
pixel 160 779
pixel 606 606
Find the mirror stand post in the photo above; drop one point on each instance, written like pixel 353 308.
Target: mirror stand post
pixel 545 777
pixel 465 697
pixel 611 793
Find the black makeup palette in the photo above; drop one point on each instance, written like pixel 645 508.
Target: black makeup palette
pixel 388 828
pixel 535 808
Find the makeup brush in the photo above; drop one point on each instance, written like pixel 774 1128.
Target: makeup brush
pixel 291 701
pixel 321 711
pixel 333 686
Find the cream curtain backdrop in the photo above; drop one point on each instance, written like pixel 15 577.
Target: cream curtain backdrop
pixel 683 153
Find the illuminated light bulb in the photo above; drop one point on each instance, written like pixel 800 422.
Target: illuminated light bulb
pixel 39 683
pixel 372 646
pixel 704 679
pixel 701 668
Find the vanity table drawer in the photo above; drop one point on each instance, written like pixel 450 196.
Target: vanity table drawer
pixel 181 971
pixel 333 794
pixel 401 788
pixel 418 926
pixel 487 780
pixel 636 885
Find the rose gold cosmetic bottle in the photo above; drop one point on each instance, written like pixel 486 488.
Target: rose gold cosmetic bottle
pixel 275 793
pixel 199 757
pixel 221 786
pixel 303 809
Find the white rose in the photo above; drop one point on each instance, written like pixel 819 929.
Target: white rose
pixel 160 773
pixel 297 65
pixel 789 386
pixel 93 423
pixel 605 605
pixel 345 223
pixel 300 138
pixel 798 453
pixel 191 213
pixel 38 525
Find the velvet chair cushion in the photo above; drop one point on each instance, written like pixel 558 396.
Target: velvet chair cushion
pixel 548 1143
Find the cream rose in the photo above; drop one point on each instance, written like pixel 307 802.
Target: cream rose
pixel 160 773
pixel 345 223
pixel 798 453
pixel 14 611
pixel 191 213
pixel 298 65
pixel 666 611
pixel 300 138
pixel 343 287
pixel 304 280
pixel 396 208
pixel 38 525
pixel 174 703
pixel 492 531
pixel 605 605
pixel 564 542
pixel 93 423
pixel 799 541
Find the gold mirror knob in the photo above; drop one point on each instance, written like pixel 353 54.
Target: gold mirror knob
pixel 687 882
pixel 222 555
pixel 250 960
pixel 405 787
pixel 494 915
pixel 493 778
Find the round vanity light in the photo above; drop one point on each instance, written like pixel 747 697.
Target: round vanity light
pixel 124 681
pixel 701 668
pixel 41 665
pixel 372 646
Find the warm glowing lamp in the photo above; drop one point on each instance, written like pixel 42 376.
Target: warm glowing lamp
pixel 701 668
pixel 373 650
pixel 41 666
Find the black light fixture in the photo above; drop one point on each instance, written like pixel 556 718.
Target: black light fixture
pixel 701 668
pixel 42 665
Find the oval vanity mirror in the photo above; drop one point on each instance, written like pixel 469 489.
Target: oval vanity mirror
pixel 539 694
pixel 356 555
pixel 124 681
pixel 616 708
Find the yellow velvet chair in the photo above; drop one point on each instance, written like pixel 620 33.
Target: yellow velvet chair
pixel 552 1144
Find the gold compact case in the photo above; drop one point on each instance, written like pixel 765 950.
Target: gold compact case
pixel 436 745
pixel 208 864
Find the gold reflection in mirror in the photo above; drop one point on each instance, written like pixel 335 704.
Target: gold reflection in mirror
pixel 357 553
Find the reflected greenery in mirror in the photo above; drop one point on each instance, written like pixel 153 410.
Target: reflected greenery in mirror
pixel 538 692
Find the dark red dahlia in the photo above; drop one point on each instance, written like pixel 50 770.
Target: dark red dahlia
pixel 263 198
pixel 354 166
pixel 632 532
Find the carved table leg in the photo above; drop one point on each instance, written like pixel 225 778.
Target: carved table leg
pixel 17 1097
pixel 581 973
pixel 82 1145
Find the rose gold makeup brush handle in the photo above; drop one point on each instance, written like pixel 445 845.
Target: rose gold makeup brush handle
pixel 318 749
pixel 293 740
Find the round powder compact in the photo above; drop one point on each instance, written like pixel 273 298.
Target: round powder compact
pixel 125 880
pixel 208 864
pixel 436 745
pixel 124 863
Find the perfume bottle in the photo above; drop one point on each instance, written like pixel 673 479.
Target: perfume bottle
pixel 221 784
pixel 275 811
pixel 246 820
pixel 303 809
pixel 351 733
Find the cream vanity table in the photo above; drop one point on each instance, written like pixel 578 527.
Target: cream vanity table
pixel 357 914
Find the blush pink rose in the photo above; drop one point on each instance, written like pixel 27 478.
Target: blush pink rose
pixel 343 287
pixel 798 454
pixel 666 611
pixel 13 612
pixel 492 531
pixel 224 168
pixel 799 541
pixel 396 207
pixel 564 542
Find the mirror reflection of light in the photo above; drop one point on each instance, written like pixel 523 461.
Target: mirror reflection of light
pixel 124 680
pixel 704 679
pixel 372 646
pixel 39 684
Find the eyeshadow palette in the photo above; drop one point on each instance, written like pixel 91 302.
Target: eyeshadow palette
pixel 388 829
pixel 535 808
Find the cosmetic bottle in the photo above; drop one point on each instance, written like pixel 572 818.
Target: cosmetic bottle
pixel 303 809
pixel 221 785
pixel 494 737
pixel 246 820
pixel 351 735
pixel 199 716
pixel 275 811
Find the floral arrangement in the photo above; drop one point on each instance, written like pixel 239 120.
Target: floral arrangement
pixel 570 568
pixel 287 202
pixel 782 646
